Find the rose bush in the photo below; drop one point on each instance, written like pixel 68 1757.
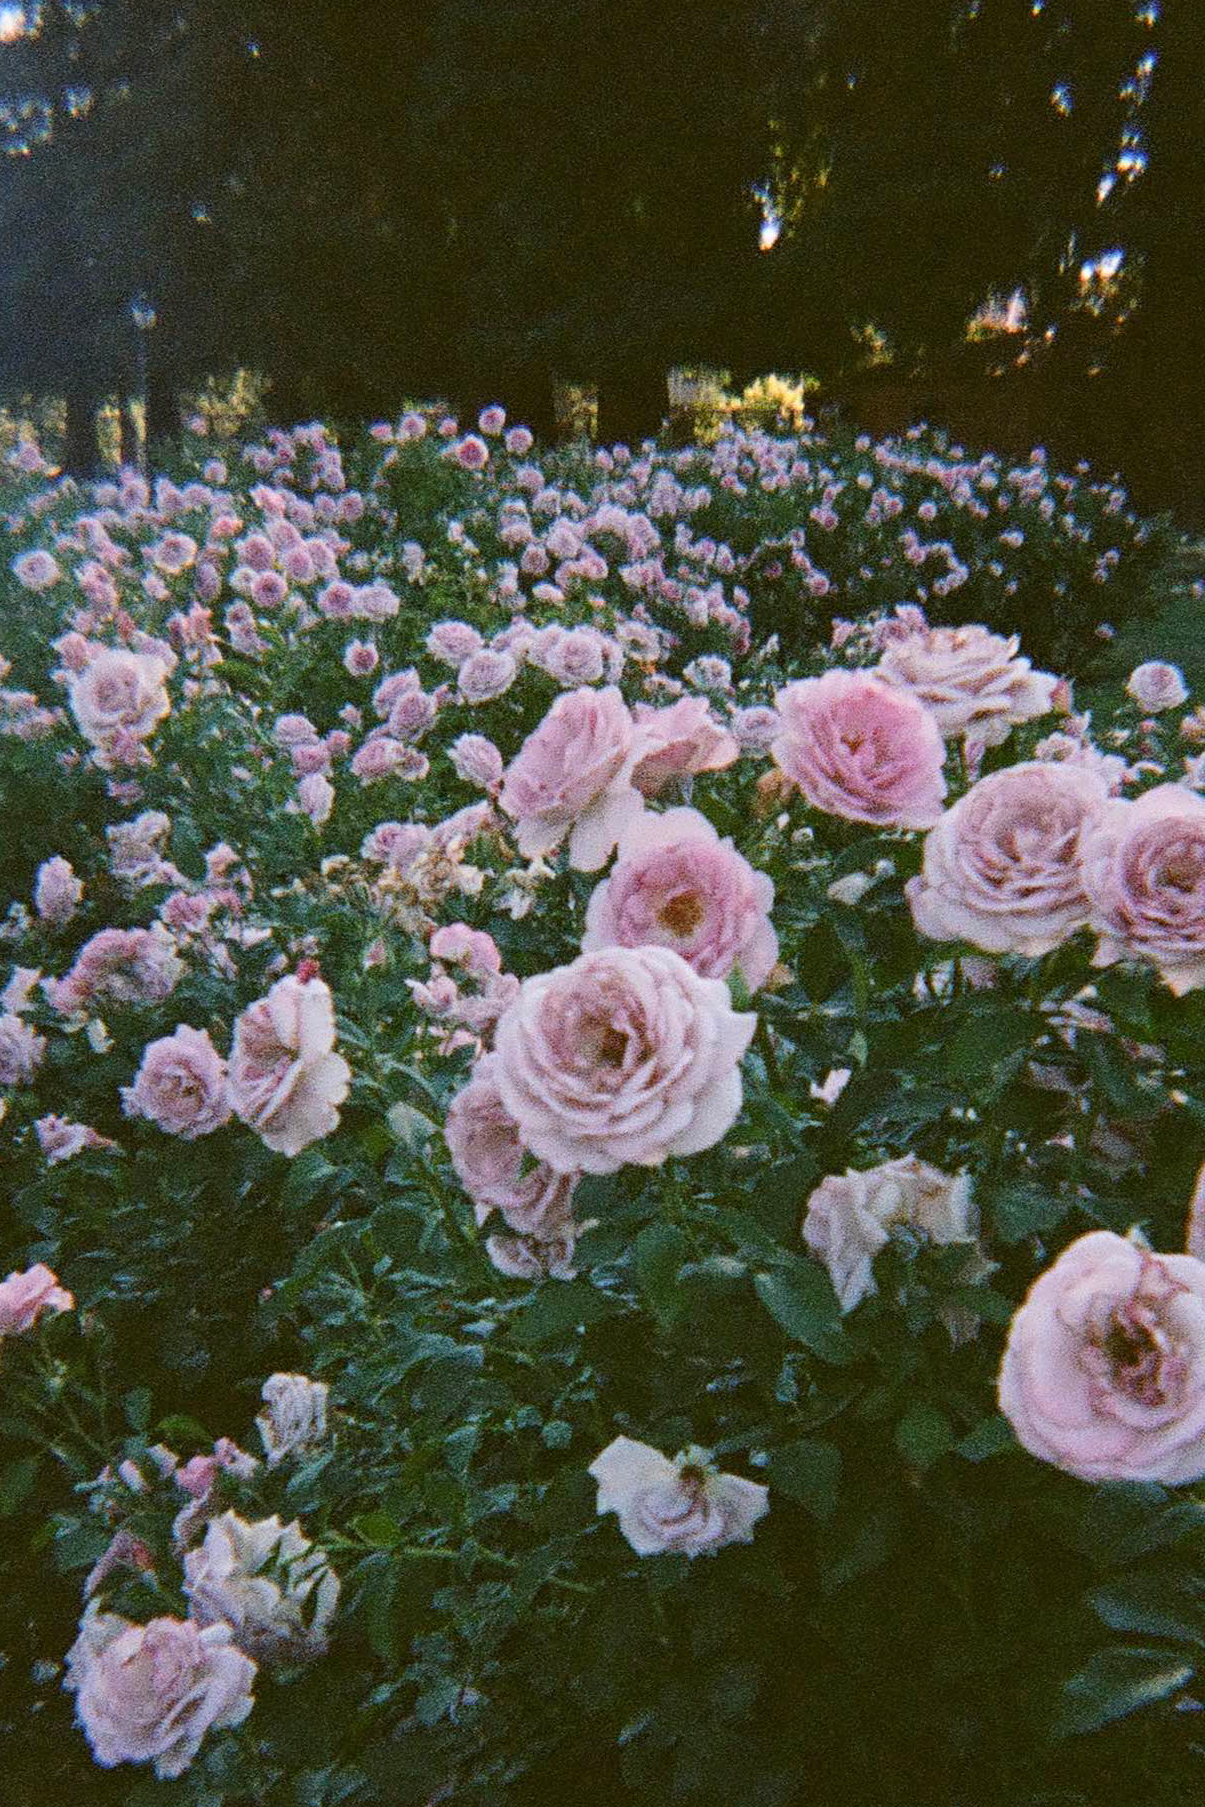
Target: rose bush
pixel 564 1012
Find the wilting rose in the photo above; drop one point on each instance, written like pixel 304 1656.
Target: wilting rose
pixel 1002 867
pixel 128 966
pixel 676 884
pixel 489 1158
pixel 286 1081
pixel 625 1055
pixel 1144 870
pixel 24 1297
pixel 1157 686
pixel 296 1416
pixel 119 691
pixel 21 1051
pixel 849 1217
pixel 572 775
pixel 1104 1370
pixel 685 1507
pixel 534 1257
pixel 971 680
pixel 677 742
pixel 858 748
pixel 149 1693
pixel 267 1582
pixel 180 1085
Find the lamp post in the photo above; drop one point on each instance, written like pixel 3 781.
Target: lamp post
pixel 144 317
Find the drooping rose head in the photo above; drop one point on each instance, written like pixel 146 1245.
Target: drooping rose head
pixel 492 1164
pixel 285 1079
pixel 685 1507
pixel 24 1297
pixel 677 742
pixel 119 691
pixel 858 748
pixel 1104 1370
pixel 1002 867
pixel 180 1085
pixel 572 776
pixel 971 680
pixel 1144 871
pixel 676 884
pixel 625 1055
pixel 849 1217
pixel 149 1693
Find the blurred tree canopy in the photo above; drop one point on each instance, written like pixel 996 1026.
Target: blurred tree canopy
pixel 439 197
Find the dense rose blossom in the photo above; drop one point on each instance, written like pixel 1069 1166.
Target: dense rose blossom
pixel 316 798
pixel 677 742
pixel 971 680
pixel 452 642
pixel 1156 686
pixel 485 675
pixel 572 775
pixel 119 693
pixel 489 1159
pixel 267 1582
pixel 518 441
pixel 477 760
pixel 849 1217
pixel 684 1507
pixel 676 884
pixel 285 1079
pixel 754 729
pixel 625 1055
pixel 128 966
pixel 1104 1370
pixel 295 1419
pixel 180 1085
pixel 384 757
pixel 21 1050
pixel 1144 871
pixel 149 1693
pixel 17 995
pixel 858 748
pixel 1002 867
pixel 360 658
pixel 36 570
pixel 491 420
pixel 24 1297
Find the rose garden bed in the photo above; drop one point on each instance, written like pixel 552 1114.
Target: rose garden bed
pixel 600 1116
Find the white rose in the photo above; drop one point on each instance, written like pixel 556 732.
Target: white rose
pixel 1156 686
pixel 296 1415
pixel 285 1079
pixel 849 1217
pixel 685 1507
pixel 970 680
pixel 267 1582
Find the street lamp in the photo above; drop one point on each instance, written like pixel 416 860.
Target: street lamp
pixel 143 315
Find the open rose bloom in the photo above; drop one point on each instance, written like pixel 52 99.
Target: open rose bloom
pixel 494 1167
pixel 625 1055
pixel 24 1297
pixel 850 1215
pixel 1144 869
pixel 685 1507
pixel 572 776
pixel 285 1079
pixel 858 748
pixel 972 681
pixel 180 1085
pixel 1104 1370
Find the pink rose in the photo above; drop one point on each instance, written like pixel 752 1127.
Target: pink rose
pixel 61 1140
pixel 180 1085
pixel 678 742
pixel 489 1158
pixel 119 692
pixel 1104 1370
pixel 21 1050
pixel 970 679
pixel 36 570
pixel 625 1055
pixel 476 760
pixel 1144 870
pixel 858 748
pixel 384 757
pixel 849 1217
pixel 685 1506
pixel 573 775
pixel 24 1297
pixel 285 1079
pixel 453 642
pixel 1001 868
pixel 1157 686
pixel 676 884
pixel 57 891
pixel 130 966
pixel 149 1693
pixel 485 675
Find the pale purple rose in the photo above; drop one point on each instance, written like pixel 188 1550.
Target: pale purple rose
pixel 1002 867
pixel 128 966
pixel 970 679
pixel 452 642
pixel 61 1140
pixel 485 675
pixel 518 441
pixel 491 420
pixel 149 1693
pixel 285 1079
pixel 472 454
pixel 684 1507
pixel 387 692
pixel 492 1165
pixel 119 693
pixel 625 1055
pixel 860 749
pixel 572 775
pixel 1157 686
pixel 1104 1370
pixel 36 570
pixel 316 798
pixel 676 884
pixel 360 658
pixel 1144 870
pixel 384 757
pixel 21 1050
pixel 24 1297
pixel 180 1085
pixel 578 656
pixel 849 1217
pixel 477 760
pixel 295 1419
pixel 677 742
pixel 754 729
pixel 412 714
pixel 56 892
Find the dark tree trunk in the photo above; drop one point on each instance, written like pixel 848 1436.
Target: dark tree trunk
pixel 130 447
pixel 632 403
pixel 162 411
pixel 81 442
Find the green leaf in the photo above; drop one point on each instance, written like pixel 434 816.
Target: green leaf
pixel 16 1483
pixel 802 1301
pixel 310 1173
pixel 985 1042
pixel 1019 1211
pixel 409 1126
pixel 1156 1603
pixel 557 1308
pixel 923 1434
pixel 849 1546
pixel 808 1471
pixel 658 1255
pixel 378 1529
pixel 989 1438
pixel 137 1408
pixel 1115 1682
pixel 443 1696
